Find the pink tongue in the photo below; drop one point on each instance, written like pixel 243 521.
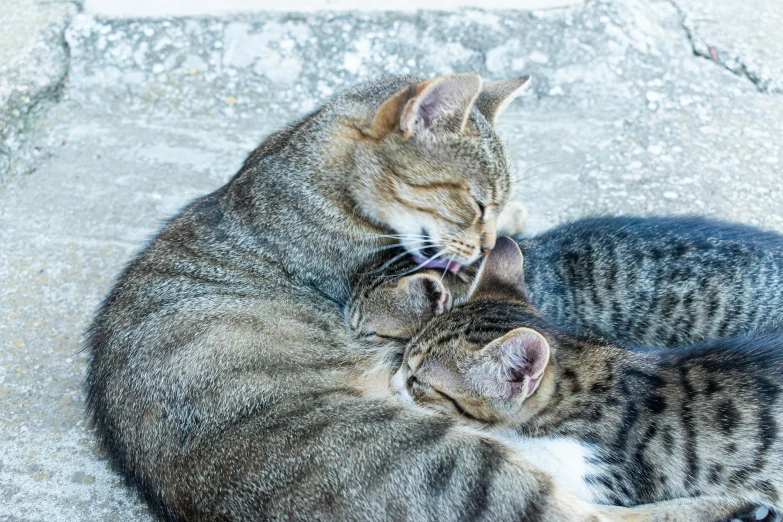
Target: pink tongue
pixel 451 266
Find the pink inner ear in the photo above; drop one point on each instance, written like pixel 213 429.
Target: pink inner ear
pixel 446 101
pixel 518 374
pixel 436 295
pixel 430 291
pixel 441 301
pixel 430 109
pixel 526 354
pixel 512 365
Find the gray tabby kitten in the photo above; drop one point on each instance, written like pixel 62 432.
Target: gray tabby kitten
pixel 222 381
pixel 653 281
pixel 657 281
pixel 647 426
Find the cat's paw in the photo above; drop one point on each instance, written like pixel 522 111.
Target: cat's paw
pixel 759 514
pixel 512 219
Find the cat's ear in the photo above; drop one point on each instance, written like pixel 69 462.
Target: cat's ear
pixel 502 272
pixel 443 102
pixel 426 294
pixel 496 96
pixel 513 365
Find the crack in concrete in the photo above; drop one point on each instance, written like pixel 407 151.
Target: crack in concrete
pixel 761 85
pixel 758 83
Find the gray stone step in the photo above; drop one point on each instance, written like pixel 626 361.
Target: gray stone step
pixel 622 117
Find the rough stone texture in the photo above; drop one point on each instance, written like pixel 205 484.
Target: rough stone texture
pixel 623 117
pixel 33 64
pixel 745 36
pixel 163 8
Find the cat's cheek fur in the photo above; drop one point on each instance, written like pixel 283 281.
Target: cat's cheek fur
pixel 409 225
pixel 412 226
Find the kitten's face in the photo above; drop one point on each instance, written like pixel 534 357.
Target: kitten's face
pixel 435 171
pixel 483 361
pixel 472 363
pixel 395 309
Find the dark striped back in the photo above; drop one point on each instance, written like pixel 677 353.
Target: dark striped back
pixel 657 281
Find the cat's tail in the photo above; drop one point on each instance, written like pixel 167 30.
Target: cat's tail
pixel 712 509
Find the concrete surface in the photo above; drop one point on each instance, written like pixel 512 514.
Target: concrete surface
pixel 623 117
pixel 158 8
pixel 33 64
pixel 746 37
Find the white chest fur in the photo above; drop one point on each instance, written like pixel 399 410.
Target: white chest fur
pixel 567 460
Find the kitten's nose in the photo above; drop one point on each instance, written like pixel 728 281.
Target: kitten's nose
pixel 399 389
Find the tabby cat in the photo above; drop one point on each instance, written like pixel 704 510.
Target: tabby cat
pixel 648 425
pixel 222 381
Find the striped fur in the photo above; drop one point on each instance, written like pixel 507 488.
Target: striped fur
pixel 657 281
pixel 688 422
pixel 648 281
pixel 222 381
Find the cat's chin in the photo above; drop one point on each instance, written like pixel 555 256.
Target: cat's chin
pixel 451 266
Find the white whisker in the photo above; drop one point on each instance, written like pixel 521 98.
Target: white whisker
pixel 401 236
pixel 433 258
pixel 395 258
pixel 536 165
pixel 388 247
pixel 402 245
pixel 451 258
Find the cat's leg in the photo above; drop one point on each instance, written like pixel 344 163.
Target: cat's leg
pixel 512 219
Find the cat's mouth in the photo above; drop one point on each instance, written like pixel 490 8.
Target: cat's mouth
pixel 430 258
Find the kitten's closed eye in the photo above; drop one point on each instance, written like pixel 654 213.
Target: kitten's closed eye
pixel 458 408
pixel 375 338
pixel 432 396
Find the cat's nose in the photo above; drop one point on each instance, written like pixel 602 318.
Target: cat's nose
pixel 487 243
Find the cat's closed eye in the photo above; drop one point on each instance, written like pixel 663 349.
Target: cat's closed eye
pixel 434 396
pixel 460 410
pixel 375 338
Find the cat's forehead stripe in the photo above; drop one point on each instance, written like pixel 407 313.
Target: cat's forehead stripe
pixel 478 324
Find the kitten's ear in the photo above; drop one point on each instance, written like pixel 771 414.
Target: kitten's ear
pixel 426 293
pixel 443 103
pixel 514 364
pixel 502 272
pixel 496 96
